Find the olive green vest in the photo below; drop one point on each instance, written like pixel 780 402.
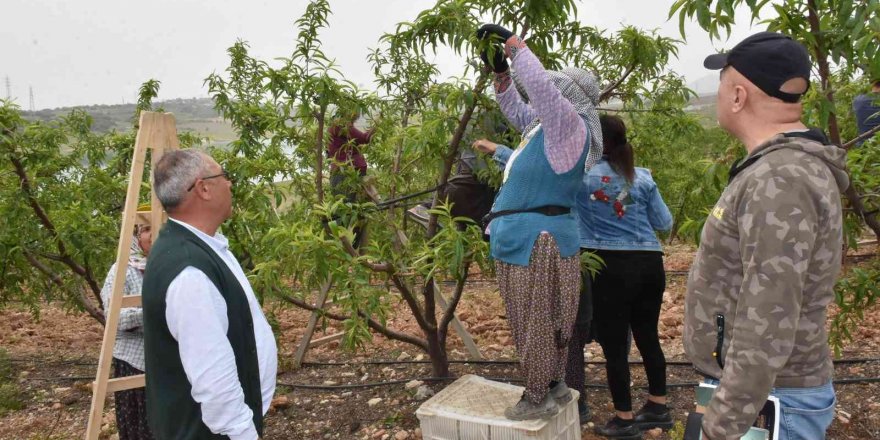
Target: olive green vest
pixel 171 411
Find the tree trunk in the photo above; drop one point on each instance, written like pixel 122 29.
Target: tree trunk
pixel 437 347
pixel 852 195
pixel 454 145
pixel 438 355
pixel 319 156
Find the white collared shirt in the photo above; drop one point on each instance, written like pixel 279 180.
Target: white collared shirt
pixel 196 316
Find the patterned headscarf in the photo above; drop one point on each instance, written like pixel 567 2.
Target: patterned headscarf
pixel 137 259
pixel 581 89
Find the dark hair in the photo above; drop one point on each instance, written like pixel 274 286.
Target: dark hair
pixel 616 147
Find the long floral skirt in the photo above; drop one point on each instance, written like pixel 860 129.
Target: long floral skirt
pixel 131 406
pixel 541 300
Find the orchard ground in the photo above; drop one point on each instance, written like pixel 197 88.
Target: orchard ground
pixel 53 361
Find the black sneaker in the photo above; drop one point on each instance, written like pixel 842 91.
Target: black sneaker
pixel 620 429
pixel 583 413
pixel 653 415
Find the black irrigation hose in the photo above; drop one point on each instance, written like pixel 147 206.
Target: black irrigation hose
pixel 515 362
pixel 851 380
pixel 845 381
pixel 363 385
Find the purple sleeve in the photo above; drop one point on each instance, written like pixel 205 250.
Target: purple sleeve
pixel 564 131
pixel 515 110
pixel 359 137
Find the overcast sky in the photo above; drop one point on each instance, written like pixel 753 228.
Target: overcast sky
pixel 79 52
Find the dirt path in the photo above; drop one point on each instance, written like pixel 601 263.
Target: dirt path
pixel 53 361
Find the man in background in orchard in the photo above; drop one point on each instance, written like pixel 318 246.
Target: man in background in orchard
pixel 209 350
pixel 867 109
pixel 770 253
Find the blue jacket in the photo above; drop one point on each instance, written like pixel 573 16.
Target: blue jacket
pixel 630 228
pixel 532 183
pixel 867 110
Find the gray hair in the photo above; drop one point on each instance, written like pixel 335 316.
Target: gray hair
pixel 174 173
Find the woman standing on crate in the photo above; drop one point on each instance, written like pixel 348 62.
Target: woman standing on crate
pixel 128 353
pixel 620 207
pixel 533 233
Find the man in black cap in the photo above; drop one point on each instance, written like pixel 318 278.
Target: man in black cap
pixel 770 251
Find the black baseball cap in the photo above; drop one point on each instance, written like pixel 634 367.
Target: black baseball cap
pixel 768 60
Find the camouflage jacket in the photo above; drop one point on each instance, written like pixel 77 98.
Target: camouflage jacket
pixel 768 260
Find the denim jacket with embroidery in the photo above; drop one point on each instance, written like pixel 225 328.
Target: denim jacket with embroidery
pixel 614 215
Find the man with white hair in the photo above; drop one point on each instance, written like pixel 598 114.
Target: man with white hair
pixel 209 350
pixel 770 251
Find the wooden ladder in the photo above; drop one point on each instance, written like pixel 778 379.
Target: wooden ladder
pixel 157 132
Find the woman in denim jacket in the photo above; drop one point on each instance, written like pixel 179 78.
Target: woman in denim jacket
pixel 620 207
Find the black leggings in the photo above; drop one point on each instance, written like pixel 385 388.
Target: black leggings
pixel 628 293
pixel 575 376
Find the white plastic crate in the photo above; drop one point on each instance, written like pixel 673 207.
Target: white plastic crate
pixel 472 408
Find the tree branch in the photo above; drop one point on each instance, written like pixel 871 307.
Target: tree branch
pixel 25 182
pixel 93 284
pixel 93 311
pixel 372 323
pixel 428 293
pixel 608 91
pixel 834 131
pixel 449 313
pixel 54 277
pixel 48 256
pixel 47 223
pixel 406 294
pixel 824 68
pixel 319 156
pixel 454 145
pixel 866 135
pixel 349 248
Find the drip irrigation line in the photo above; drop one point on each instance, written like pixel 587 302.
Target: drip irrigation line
pixel 515 362
pixel 83 362
pixel 307 386
pixel 386 362
pixel 845 381
pixel 59 378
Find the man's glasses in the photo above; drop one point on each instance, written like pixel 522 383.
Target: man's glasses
pixel 223 173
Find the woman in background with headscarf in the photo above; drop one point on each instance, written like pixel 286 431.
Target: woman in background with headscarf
pixel 533 232
pixel 128 353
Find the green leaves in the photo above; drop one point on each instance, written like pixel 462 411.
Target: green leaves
pixel 858 291
pixel 62 189
pixel 847 32
pixel 450 252
pixel 147 92
pixel 712 21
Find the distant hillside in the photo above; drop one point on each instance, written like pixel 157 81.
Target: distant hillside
pixel 706 84
pixel 195 115
pixel 198 115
